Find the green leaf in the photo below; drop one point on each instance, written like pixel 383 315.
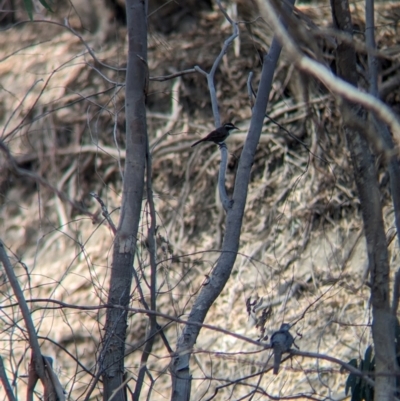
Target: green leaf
pixel 367 359
pixel 360 389
pixel 353 380
pixel 45 5
pixel 353 362
pixel 356 394
pixel 369 393
pixel 349 384
pixel 368 366
pixel 29 8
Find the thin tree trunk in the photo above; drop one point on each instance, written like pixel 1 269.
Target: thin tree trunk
pixel 373 66
pixel 371 208
pixel 180 371
pixel 112 356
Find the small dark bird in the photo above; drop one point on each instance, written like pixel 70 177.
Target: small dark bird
pixel 219 135
pixel 281 341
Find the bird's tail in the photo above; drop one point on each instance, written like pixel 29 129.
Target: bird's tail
pixel 277 361
pixel 196 143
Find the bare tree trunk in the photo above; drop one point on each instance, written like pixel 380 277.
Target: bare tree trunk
pixel 373 66
pixel 368 190
pixel 112 356
pixel 180 371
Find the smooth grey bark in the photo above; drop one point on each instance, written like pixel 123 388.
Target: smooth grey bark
pixel 4 381
pixel 211 75
pixel 373 63
pixel 152 247
pixel 371 208
pixel 37 368
pixel 180 371
pixel 226 202
pixel 111 362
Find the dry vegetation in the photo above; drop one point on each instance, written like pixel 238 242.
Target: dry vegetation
pixel 302 247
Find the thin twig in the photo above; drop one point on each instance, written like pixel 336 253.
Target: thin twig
pixel 151 240
pixel 37 360
pixel 13 165
pixel 105 212
pixel 332 82
pixel 5 382
pixel 174 75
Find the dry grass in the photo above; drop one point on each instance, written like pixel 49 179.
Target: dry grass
pixel 301 248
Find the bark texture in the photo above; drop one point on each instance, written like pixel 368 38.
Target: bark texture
pixel 181 377
pixel 112 356
pixel 371 208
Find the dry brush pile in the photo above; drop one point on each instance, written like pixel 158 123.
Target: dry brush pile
pixel 302 249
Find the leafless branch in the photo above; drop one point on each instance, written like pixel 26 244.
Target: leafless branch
pixel 333 83
pixel 174 75
pixel 151 240
pixel 105 212
pixel 13 165
pixel 5 382
pixel 37 365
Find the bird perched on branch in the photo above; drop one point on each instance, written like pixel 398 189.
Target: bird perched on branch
pixel 219 135
pixel 281 341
